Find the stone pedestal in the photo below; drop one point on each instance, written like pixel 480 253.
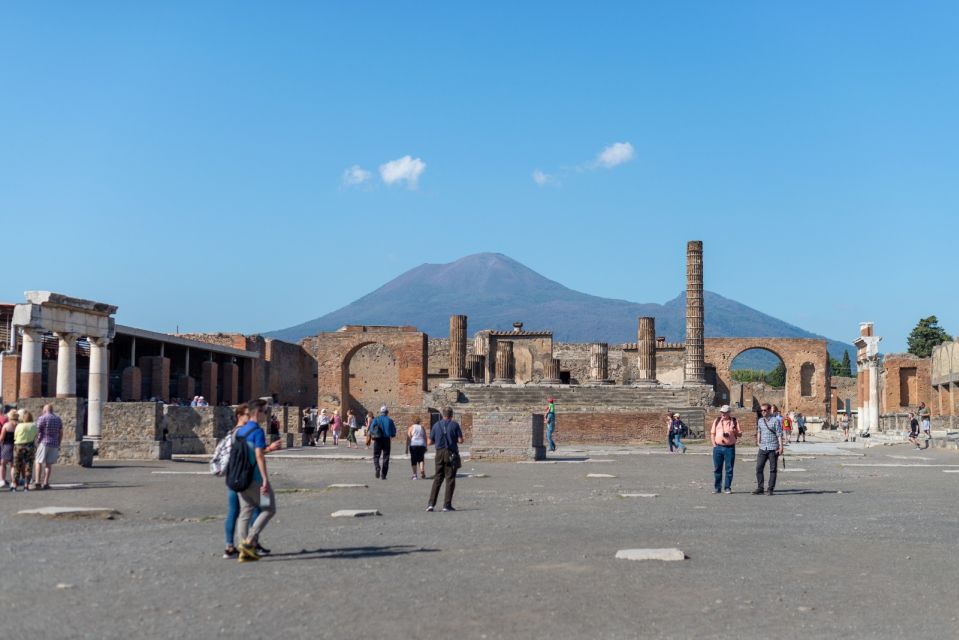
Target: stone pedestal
pixel 231 382
pixel 551 372
pixel 67 365
pixel 208 378
pixel 477 368
pixel 458 371
pixel 646 343
pixel 508 436
pixel 599 363
pixel 31 365
pixel 131 384
pixel 695 357
pixel 133 431
pixel 505 367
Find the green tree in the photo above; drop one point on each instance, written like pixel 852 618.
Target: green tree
pixel 845 369
pixel 926 335
pixel 834 366
pixel 777 377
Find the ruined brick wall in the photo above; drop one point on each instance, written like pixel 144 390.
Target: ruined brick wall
pixel 843 389
pixel 219 339
pixel 905 381
pixel 290 373
pixel 196 429
pixel 11 378
pixel 374 379
pixel 133 431
pixel 504 435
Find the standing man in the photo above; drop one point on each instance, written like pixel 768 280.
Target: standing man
pixel 801 423
pixel 381 432
pixel 769 439
pixel 447 436
pixel 259 494
pixel 924 418
pixel 550 422
pixel 50 433
pixel 724 433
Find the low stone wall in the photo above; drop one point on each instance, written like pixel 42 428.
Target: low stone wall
pixel 508 436
pixel 196 429
pixel 72 412
pixel 133 431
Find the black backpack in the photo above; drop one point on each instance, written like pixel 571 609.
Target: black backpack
pixel 239 470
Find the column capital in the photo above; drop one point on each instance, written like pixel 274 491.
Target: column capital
pixel 100 342
pixel 66 337
pixel 31 332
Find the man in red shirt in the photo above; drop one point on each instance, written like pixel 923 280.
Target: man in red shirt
pixel 724 432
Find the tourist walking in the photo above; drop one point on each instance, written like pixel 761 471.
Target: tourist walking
pixel 447 436
pixel 787 424
pixel 678 430
pixel 844 425
pixel 7 428
pixel 366 427
pixel 352 427
pixel 24 449
pixel 914 430
pixel 323 427
pixel 336 423
pixel 259 494
pixel 669 432
pixel 801 426
pixel 49 435
pixel 417 439
pixel 381 432
pixel 769 439
pixel 724 433
pixel 925 420
pixel 550 423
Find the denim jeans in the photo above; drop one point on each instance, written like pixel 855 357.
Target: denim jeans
pixel 723 455
pixel 761 456
pixel 549 435
pixel 678 442
pixel 232 513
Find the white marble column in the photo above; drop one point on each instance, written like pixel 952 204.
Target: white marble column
pixel 99 374
pixel 31 365
pixel 872 424
pixel 67 365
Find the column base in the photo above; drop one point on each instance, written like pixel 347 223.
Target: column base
pixel 552 381
pixel 503 381
pixel 600 383
pixel 458 380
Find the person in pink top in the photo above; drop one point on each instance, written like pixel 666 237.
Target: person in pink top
pixel 724 432
pixel 336 422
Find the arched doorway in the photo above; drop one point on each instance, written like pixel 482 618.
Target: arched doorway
pixel 371 378
pixel 758 376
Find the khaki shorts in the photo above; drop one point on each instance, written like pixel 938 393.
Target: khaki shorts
pixel 47 455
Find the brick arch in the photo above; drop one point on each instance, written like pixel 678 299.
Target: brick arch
pixel 334 351
pixel 794 353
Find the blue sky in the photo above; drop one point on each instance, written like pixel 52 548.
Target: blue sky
pixel 187 161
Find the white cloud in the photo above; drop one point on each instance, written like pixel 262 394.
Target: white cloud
pixel 403 169
pixel 615 154
pixel 356 175
pixel 543 179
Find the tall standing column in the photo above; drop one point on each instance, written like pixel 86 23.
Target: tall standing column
pixel 31 366
pixel 477 368
pixel 99 374
pixel 695 363
pixel 458 372
pixel 67 365
pixel 505 368
pixel 873 419
pixel 599 363
pixel 646 344
pixel 551 372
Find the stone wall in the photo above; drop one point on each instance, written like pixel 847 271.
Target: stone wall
pixel 72 412
pixel 291 373
pixel 842 389
pixel 133 431
pixel 374 379
pixel 905 381
pixel 10 362
pixel 196 429
pixel 505 435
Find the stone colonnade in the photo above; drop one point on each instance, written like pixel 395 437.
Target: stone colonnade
pixel 505 366
pixel 477 367
pixel 695 357
pixel 646 346
pixel 551 372
pixel 68 319
pixel 458 371
pixel 599 363
pixel 868 362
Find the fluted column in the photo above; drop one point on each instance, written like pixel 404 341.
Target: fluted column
pixel 31 366
pixel 99 376
pixel 505 373
pixel 646 343
pixel 477 367
pixel 599 363
pixel 551 372
pixel 457 371
pixel 67 365
pixel 695 363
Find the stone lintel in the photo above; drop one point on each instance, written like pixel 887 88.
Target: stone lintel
pixel 44 298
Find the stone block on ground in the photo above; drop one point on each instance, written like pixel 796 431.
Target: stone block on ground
pixel 348 486
pixel 639 495
pixel 71 512
pixel 664 555
pixel 355 513
pixel 600 475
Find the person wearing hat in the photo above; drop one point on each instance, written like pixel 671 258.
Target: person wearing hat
pixel 382 431
pixel 550 422
pixel 677 431
pixel 724 433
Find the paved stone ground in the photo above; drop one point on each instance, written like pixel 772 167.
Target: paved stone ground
pixel 530 553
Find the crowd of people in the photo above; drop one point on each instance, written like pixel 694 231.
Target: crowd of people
pixel 29 449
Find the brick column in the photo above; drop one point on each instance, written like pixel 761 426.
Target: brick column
pixel 208 377
pixel 599 363
pixel 11 377
pixel 695 364
pixel 458 371
pixel 186 388
pixel 160 378
pixel 551 372
pixel 67 365
pixel 505 367
pixel 31 366
pixel 231 383
pixel 477 368
pixel 131 384
pixel 646 343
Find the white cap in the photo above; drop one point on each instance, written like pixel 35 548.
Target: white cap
pixel 724 409
pixel 383 409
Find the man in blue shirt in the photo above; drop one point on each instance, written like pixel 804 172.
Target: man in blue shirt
pixel 769 438
pixel 259 494
pixel 447 436
pixel 382 430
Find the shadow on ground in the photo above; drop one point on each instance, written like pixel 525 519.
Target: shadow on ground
pixel 348 552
